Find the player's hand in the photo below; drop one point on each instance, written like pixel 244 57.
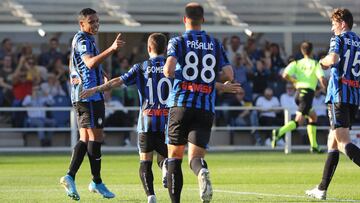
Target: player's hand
pixel 118 43
pixel 87 93
pixel 233 88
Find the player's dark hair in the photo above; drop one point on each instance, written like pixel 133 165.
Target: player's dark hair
pixel 195 12
pixel 157 41
pixel 343 14
pixel 85 12
pixel 306 48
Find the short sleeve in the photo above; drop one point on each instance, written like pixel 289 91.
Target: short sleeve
pixel 335 45
pixel 290 69
pixel 129 78
pixel 83 46
pixel 172 48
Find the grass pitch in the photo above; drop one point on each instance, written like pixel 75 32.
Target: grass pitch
pixel 236 177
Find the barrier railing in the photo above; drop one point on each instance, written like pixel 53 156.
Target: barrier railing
pixel 74 131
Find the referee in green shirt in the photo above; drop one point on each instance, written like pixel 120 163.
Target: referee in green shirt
pixel 304 74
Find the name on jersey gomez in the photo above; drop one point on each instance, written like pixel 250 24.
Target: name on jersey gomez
pixel 155 69
pixel 196 44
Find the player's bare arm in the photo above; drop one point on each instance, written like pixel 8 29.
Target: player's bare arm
pixel 329 60
pixel 289 78
pixel 115 82
pixel 94 61
pixel 169 67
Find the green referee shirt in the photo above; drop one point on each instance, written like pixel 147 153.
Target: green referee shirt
pixel 306 71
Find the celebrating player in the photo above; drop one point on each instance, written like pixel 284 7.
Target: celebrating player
pixel 86 72
pixel 153 88
pixel 343 95
pixel 194 61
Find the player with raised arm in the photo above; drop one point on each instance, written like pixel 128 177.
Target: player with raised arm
pixel 195 60
pixel 153 88
pixel 86 72
pixel 304 75
pixel 343 95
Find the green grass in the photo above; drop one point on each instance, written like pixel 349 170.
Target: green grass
pixel 236 177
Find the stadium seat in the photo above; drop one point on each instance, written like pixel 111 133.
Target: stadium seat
pixel 62 117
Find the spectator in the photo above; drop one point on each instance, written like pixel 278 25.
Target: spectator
pixel 52 87
pixel 117 118
pixel 242 67
pixel 267 116
pixel 252 51
pixel 233 48
pixel 287 99
pixel 47 58
pixel 32 70
pixel 62 74
pixel 260 78
pixel 25 51
pixel 37 118
pixel 6 72
pixel 6 49
pixel 276 60
pixel 320 108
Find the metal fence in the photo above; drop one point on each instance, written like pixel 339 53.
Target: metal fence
pixel 74 131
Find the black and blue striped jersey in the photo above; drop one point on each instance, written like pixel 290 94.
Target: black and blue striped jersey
pixel 199 59
pixel 84 44
pixel 344 79
pixel 153 88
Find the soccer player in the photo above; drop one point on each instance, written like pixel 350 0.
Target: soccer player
pixel 86 72
pixel 343 95
pixel 304 75
pixel 153 88
pixel 194 61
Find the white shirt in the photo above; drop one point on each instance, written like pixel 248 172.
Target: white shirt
pixel 40 101
pixel 267 104
pixel 288 102
pixel 317 102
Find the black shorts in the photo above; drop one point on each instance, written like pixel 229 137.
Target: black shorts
pixel 90 114
pixel 341 115
pixel 189 125
pixel 151 141
pixel 304 99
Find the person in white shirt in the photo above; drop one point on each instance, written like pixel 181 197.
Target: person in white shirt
pixel 37 118
pixel 320 107
pixel 267 116
pixel 287 99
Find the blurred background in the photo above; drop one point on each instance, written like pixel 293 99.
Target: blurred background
pixel 260 36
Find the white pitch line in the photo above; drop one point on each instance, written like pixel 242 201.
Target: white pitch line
pixel 281 195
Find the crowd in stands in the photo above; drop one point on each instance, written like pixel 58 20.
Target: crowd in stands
pixel 26 77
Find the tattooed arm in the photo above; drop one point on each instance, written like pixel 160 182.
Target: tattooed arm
pixel 115 82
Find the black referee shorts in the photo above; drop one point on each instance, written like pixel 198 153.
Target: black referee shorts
pixel 304 98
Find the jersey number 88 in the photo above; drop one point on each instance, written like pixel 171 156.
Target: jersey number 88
pixel 194 66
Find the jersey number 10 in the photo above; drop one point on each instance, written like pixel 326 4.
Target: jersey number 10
pixel 149 84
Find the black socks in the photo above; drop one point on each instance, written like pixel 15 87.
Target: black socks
pixel 77 157
pixel 353 152
pixel 329 169
pixel 94 154
pixel 147 177
pixel 174 179
pixel 196 164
